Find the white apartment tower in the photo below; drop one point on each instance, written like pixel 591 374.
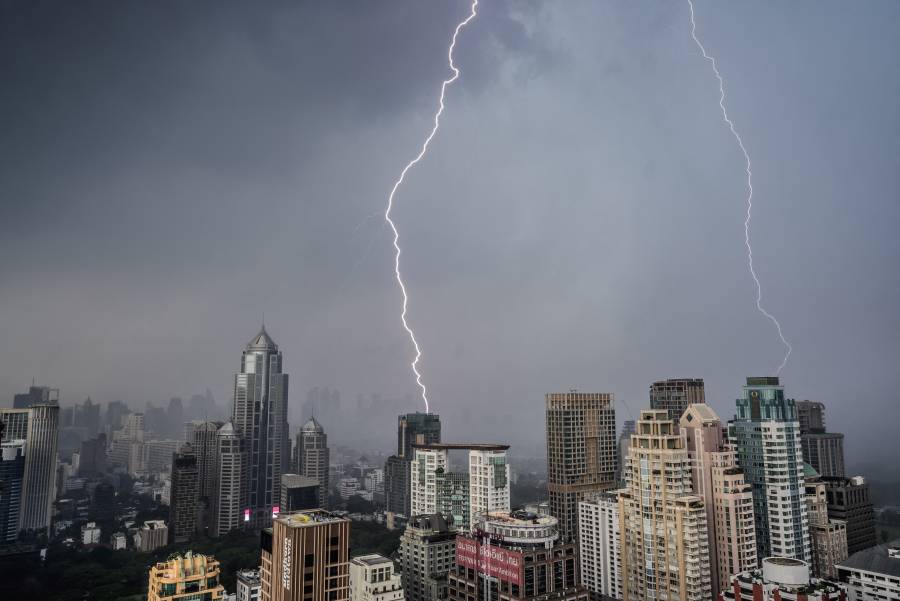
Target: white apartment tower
pixel 600 546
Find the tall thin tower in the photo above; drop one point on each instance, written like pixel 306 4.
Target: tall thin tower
pixel 260 414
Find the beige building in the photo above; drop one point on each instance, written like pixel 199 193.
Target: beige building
pixel 662 524
pixel 728 497
pixel 582 455
pixel 372 578
pixel 305 558
pixel 828 537
pixel 185 577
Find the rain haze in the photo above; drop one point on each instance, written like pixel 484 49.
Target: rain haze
pixel 170 173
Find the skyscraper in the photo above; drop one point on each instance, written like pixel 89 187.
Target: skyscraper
pixel 305 556
pixel 38 427
pixel 426 554
pixel 36 395
pixel 823 450
pixel 766 433
pixel 412 428
pixel 827 537
pixel 716 477
pixel 674 395
pixel 229 500
pixel 260 414
pixel 582 455
pixel 204 440
pixel 811 416
pixel 600 545
pixel 183 496
pixel 848 500
pixel 312 456
pixel 662 524
pixel 12 472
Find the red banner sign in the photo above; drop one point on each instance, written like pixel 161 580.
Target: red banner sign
pixel 488 559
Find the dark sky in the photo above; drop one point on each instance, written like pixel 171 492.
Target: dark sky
pixel 170 171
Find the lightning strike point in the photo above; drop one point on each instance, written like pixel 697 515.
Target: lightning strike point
pixel 390 204
pixel 712 61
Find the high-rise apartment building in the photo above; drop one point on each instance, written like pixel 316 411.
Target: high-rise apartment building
pixel 92 457
pixel 38 427
pixel 728 498
pixel 515 556
pixel 582 456
pixel 426 555
pixel 305 557
pixel 260 415
pixel 674 395
pixel 185 577
pixel 828 537
pixel 372 578
pixel 849 501
pixel 823 450
pixel 204 440
pixel 183 499
pixel 434 488
pixel 766 434
pixel 600 546
pixel 624 444
pixel 810 416
pixel 663 525
pixel 229 507
pixel 311 456
pixel 412 428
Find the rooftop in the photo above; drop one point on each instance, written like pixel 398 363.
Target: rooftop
pixel 465 446
pixel 875 559
pixel 372 559
pixel 311 517
pixel 520 518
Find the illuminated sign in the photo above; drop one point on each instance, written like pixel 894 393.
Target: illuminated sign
pixel 286 564
pixel 488 559
pixel 275 511
pixel 246 515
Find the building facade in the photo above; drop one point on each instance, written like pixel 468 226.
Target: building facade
pixel 184 577
pixel 229 509
pixel 663 526
pixel 247 585
pixel 372 578
pixel 183 497
pixel 426 556
pixel 12 473
pixel 515 556
pixel 260 415
pixel 828 537
pixel 716 477
pixel 849 501
pixel 600 546
pixel 674 395
pixel 766 434
pixel 153 535
pixel 305 556
pixel 298 493
pixel 311 456
pixel 38 426
pixel 582 456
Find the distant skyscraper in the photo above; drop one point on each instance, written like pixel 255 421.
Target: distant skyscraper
pixel 766 433
pixel 824 451
pixel 412 428
pixel 811 416
pixel 716 477
pixel 92 458
pixel 204 440
pixel 260 414
pixel 298 493
pixel 115 415
pixel 229 499
pixel 38 427
pixel 305 557
pixel 312 456
pixel 848 500
pixel 675 395
pixel 624 445
pixel 87 416
pixel 36 395
pixel 582 456
pixel 662 524
pixel 183 496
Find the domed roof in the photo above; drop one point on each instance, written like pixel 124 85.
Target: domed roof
pixel 262 340
pixel 312 426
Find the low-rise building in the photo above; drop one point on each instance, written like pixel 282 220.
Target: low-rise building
pixel 781 579
pixel 151 536
pixel 372 578
pixel 90 534
pixel 185 577
pixel 118 541
pixel 872 574
pixel 248 585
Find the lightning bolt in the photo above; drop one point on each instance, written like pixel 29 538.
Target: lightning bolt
pixel 740 142
pixel 390 203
